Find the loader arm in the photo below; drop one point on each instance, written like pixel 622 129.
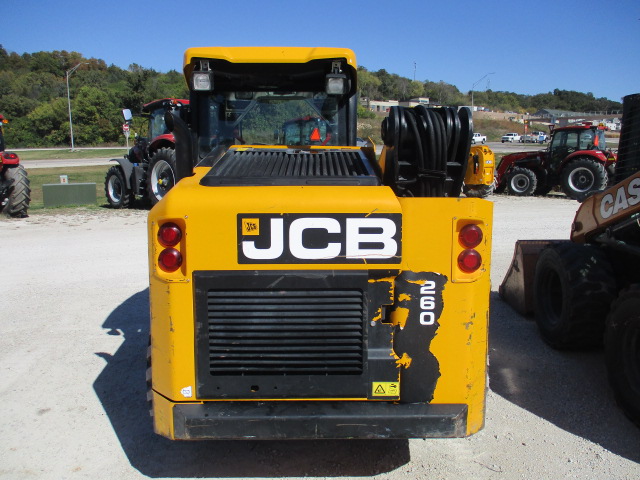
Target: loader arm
pixel 605 209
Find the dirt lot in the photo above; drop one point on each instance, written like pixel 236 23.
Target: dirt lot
pixel 74 323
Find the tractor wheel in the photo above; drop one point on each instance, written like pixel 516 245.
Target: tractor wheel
pixel 478 191
pixel 161 175
pixel 573 288
pixel 622 351
pixel 521 181
pixel 20 195
pixel 583 176
pixel 115 188
pixel 543 189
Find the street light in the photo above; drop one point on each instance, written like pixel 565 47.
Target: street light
pixel 69 72
pixel 474 86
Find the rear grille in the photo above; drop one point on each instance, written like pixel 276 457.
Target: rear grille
pixel 285 332
pixel 291 167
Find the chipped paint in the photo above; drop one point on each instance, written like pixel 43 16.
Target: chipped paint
pixel 404 361
pixel 399 317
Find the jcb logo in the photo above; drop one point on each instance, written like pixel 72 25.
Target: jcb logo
pixel 339 238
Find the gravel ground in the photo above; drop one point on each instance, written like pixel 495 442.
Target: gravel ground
pixel 72 363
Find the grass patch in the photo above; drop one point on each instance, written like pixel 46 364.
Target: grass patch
pixel 41 176
pixel 64 154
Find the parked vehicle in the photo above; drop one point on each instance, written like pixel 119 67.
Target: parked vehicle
pixel 479 181
pixel 511 137
pixel 534 137
pixel 314 291
pixel 478 138
pixel 586 291
pixel 148 169
pixel 577 159
pixel 15 190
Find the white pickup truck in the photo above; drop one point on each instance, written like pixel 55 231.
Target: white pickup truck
pixel 510 137
pixel 478 138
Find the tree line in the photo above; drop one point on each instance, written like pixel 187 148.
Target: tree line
pixel 33 96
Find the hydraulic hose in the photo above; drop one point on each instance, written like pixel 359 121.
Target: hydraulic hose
pixel 427 150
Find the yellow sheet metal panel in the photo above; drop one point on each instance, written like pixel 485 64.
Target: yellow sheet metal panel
pixel 212 217
pixel 460 345
pixel 269 54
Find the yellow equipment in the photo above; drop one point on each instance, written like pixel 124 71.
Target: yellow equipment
pixel 310 291
pixel 479 179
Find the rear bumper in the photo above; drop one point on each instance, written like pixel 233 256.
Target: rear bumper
pixel 316 420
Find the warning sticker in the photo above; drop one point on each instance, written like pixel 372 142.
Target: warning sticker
pixel 385 389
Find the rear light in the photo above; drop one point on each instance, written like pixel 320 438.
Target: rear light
pixel 469 260
pixel 169 235
pixel 170 260
pixel 470 236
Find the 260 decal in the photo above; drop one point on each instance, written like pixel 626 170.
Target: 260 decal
pixel 310 238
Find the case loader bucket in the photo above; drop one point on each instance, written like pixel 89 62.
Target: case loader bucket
pixel 517 287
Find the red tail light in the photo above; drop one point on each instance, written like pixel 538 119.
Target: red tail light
pixel 170 260
pixel 169 235
pixel 469 260
pixel 470 236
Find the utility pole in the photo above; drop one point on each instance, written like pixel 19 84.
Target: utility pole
pixel 69 72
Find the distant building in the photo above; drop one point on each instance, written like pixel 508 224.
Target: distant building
pixel 383 106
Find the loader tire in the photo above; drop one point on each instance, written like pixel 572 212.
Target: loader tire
pixel 521 181
pixel 115 188
pixel 574 286
pixel 583 176
pixel 622 351
pixel 20 195
pixel 161 176
pixel 478 191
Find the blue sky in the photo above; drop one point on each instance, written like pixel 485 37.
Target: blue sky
pixel 526 47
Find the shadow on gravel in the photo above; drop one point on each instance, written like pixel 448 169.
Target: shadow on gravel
pixel 121 389
pixel 566 388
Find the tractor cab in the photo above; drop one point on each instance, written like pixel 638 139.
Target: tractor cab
pixel 567 140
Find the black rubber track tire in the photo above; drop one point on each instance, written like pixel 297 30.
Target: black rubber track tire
pixel 583 176
pixel 574 286
pixel 115 188
pixel 20 195
pixel 478 191
pixel 622 351
pixel 521 182
pixel 161 175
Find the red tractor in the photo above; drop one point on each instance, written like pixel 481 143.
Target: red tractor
pixel 577 160
pixel 148 170
pixel 15 191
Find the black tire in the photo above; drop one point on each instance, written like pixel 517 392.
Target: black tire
pixel 573 288
pixel 478 191
pixel 521 181
pixel 20 196
pixel 583 176
pixel 115 188
pixel 161 175
pixel 622 351
pixel 543 189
